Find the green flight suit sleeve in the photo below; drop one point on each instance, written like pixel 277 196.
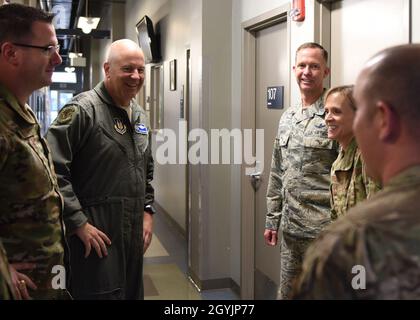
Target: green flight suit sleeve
pixel 65 137
pixel 274 196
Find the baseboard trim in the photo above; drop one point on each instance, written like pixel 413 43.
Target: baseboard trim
pixel 213 284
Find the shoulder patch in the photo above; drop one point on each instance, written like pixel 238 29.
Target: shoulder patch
pixel 66 115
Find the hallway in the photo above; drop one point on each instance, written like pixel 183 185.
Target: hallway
pixel 165 268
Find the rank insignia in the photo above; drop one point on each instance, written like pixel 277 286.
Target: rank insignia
pixel 119 126
pixel 140 128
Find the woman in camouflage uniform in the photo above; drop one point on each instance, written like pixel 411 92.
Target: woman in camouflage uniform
pixel 349 182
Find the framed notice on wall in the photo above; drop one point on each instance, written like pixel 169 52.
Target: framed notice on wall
pixel 172 75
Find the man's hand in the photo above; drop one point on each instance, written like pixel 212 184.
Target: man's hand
pixel 270 237
pixel 147 230
pixel 21 281
pixel 93 237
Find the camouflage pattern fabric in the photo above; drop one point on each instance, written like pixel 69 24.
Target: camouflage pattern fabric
pixel 31 226
pixel 6 291
pixel 298 194
pixel 349 182
pixel 381 235
pixel 298 197
pixel 292 252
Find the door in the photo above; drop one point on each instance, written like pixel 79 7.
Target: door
pixel 265 95
pixel 272 76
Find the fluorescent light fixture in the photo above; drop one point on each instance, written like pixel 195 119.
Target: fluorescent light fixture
pixel 87 24
pixel 64 77
pixel 75 54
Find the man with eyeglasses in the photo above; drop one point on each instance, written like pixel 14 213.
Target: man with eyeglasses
pixel 31 225
pixel 101 147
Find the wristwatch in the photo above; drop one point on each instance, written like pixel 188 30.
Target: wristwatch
pixel 149 209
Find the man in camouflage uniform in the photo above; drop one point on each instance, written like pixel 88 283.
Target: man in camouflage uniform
pixel 373 252
pixel 298 198
pixel 6 287
pixel 101 146
pixel 31 225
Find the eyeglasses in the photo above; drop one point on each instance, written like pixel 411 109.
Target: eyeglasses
pixel 49 50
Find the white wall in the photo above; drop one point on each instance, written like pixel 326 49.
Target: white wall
pixel 249 9
pixel 415 18
pixel 357 34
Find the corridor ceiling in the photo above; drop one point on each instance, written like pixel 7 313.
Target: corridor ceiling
pixel 67 14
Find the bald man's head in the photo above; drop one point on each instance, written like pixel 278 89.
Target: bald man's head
pixel 118 47
pixel 124 71
pixel 393 76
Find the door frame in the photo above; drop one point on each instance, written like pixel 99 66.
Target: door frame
pixel 248 115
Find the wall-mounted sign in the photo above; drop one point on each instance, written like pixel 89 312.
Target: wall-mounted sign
pixel 275 97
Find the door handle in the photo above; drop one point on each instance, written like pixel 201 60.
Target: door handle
pixel 255 175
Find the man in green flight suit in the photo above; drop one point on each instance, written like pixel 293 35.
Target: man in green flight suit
pixel 101 146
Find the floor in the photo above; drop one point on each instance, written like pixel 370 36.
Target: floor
pixel 165 268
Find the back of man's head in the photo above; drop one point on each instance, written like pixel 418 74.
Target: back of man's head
pixel 394 78
pixel 16 21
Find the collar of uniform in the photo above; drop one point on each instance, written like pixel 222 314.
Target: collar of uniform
pixel 317 108
pixel 103 93
pixel 406 178
pixel 345 159
pixel 100 89
pixel 11 100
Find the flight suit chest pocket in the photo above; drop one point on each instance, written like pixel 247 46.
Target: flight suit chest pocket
pixel 318 154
